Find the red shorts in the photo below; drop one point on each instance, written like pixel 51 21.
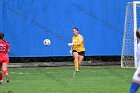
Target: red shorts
pixel 3 60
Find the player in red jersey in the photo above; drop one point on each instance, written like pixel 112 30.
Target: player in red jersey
pixel 4 59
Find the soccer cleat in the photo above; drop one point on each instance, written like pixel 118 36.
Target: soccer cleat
pixel 73 75
pixel 7 79
pixel 0 82
pixel 77 70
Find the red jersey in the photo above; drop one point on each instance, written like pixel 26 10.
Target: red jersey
pixel 4 49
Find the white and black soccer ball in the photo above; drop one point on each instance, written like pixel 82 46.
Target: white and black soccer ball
pixel 47 42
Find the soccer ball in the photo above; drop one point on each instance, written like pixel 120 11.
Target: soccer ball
pixel 47 42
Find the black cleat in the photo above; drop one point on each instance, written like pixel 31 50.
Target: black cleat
pixel 7 79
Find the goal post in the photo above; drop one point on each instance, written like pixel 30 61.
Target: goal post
pixel 129 46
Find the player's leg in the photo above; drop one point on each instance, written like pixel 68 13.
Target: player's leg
pixel 135 82
pixel 0 74
pixel 4 68
pixel 134 87
pixel 80 58
pixel 75 55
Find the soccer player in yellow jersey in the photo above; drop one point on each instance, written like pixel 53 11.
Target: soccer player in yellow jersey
pixel 78 50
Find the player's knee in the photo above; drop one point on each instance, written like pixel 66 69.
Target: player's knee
pixel 4 65
pixel 76 60
pixel 4 68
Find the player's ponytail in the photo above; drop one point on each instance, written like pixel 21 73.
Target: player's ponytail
pixel 1 35
pixel 138 34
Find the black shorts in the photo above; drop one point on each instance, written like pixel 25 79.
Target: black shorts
pixel 82 53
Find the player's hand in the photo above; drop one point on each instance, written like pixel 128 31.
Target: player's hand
pixel 70 52
pixel 70 44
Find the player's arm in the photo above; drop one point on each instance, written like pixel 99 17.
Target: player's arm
pixel 70 44
pixel 8 47
pixel 79 41
pixel 8 50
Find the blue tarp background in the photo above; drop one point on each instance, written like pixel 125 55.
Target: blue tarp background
pixel 26 23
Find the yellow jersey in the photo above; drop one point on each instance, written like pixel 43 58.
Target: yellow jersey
pixel 78 43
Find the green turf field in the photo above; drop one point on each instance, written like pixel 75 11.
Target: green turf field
pixel 60 80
